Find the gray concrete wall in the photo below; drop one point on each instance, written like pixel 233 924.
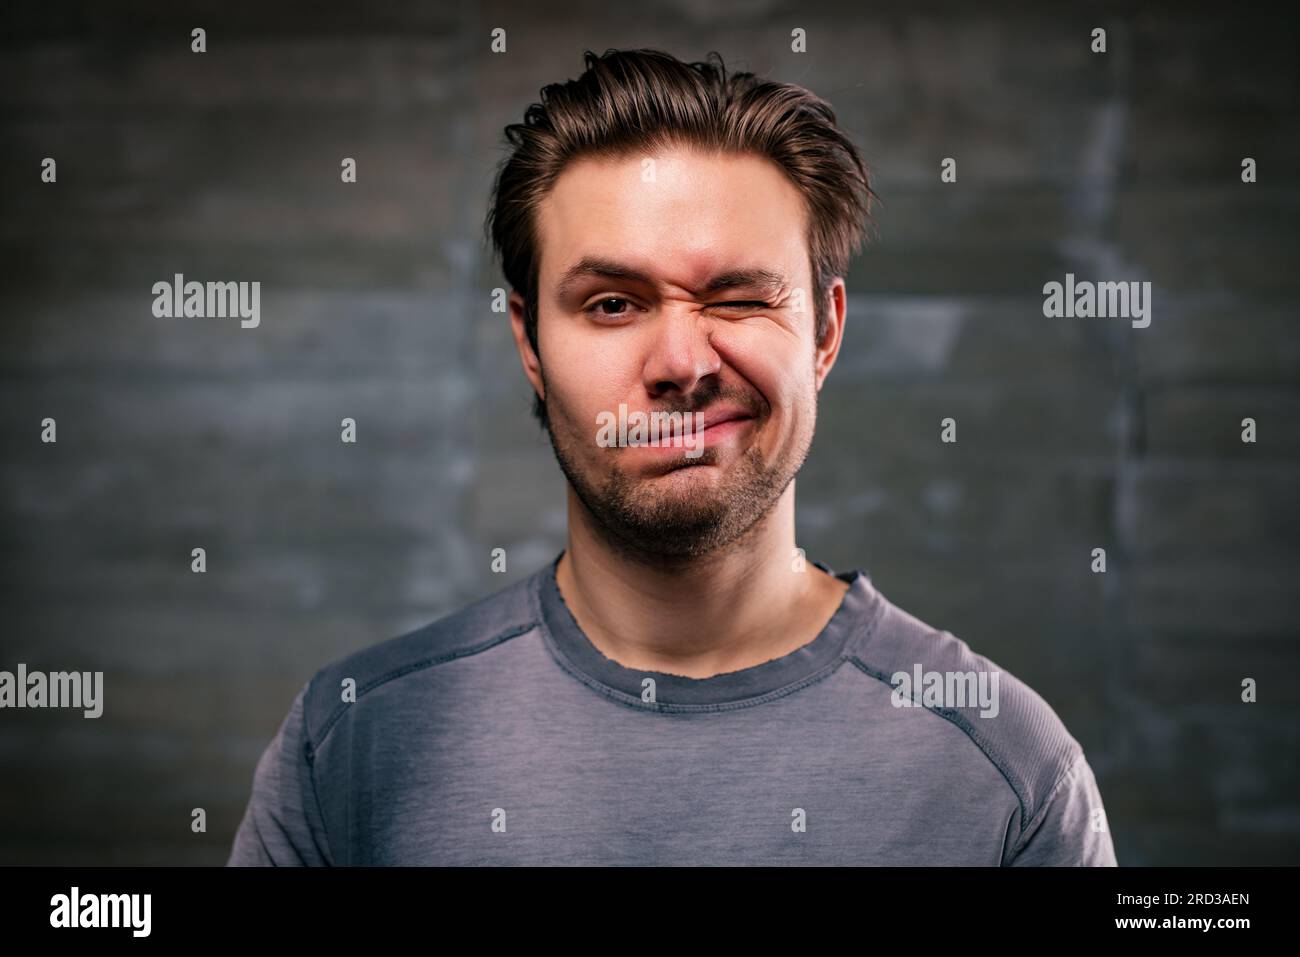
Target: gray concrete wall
pixel 1073 433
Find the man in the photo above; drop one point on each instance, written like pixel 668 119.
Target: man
pixel 679 686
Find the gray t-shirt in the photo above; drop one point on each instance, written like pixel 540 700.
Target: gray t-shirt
pixel 501 735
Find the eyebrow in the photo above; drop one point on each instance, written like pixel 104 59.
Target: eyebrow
pixel 765 280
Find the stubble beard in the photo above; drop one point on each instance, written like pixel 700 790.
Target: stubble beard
pixel 675 523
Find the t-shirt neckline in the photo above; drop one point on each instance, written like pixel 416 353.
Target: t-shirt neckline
pixel 787 673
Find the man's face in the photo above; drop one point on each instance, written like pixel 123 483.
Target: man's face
pixel 677 282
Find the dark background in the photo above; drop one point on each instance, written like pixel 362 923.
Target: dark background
pixel 1073 433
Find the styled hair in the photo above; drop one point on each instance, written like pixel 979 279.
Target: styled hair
pixel 629 101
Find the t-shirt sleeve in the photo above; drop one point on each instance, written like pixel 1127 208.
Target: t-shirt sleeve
pixel 1070 830
pixel 282 825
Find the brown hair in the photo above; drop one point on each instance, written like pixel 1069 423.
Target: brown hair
pixel 629 100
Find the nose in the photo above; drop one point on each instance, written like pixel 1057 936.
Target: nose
pixel 680 354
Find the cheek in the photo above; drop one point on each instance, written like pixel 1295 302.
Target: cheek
pixel 775 364
pixel 584 377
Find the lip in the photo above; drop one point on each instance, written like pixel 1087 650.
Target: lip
pixel 715 431
pixel 719 426
pixel 718 417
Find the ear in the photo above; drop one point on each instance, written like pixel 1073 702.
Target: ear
pixel 829 348
pixel 532 365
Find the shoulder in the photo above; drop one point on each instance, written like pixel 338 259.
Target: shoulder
pixel 1010 723
pixel 505 614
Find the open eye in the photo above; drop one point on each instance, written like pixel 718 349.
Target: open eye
pixel 597 308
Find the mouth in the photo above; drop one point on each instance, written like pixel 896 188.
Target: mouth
pixel 714 429
pixel 725 425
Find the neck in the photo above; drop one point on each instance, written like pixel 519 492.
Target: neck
pixel 736 608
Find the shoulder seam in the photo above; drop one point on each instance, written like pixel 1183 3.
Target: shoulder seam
pixel 315 795
pixel 309 754
pixel 1029 825
pixel 420 665
pixel 962 724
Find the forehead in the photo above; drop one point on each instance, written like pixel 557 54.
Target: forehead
pixel 680 215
